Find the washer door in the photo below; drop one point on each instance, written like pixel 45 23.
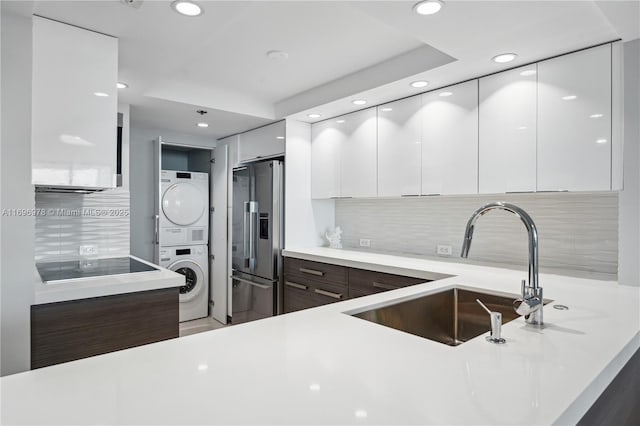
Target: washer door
pixel 194 278
pixel 182 203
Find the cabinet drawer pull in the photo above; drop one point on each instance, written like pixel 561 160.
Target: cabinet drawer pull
pixel 384 286
pixel 328 293
pixel 295 285
pixel 311 271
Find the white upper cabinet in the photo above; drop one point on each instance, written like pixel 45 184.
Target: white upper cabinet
pixel 574 121
pixel 450 140
pixel 74 106
pixel 326 142
pixel 359 153
pixel 263 142
pixel 399 147
pixel 507 140
pixel 344 156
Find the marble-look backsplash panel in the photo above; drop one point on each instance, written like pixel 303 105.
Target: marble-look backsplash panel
pixel 67 221
pixel 578 232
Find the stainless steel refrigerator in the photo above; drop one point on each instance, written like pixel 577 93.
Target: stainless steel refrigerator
pixel 257 235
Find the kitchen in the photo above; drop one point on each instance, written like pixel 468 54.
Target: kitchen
pixel 359 110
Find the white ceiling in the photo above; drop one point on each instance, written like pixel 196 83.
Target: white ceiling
pixel 337 51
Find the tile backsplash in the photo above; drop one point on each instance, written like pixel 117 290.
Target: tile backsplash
pixel 578 232
pixel 67 221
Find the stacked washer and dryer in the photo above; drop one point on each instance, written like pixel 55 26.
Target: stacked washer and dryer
pixel 184 237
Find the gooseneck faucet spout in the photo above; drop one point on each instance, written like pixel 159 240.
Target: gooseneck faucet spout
pixel 531 303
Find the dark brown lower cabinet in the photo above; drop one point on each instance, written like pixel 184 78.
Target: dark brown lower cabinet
pixel 308 284
pixel 619 404
pixel 67 331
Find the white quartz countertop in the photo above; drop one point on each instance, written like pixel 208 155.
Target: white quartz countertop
pixel 322 366
pixel 105 285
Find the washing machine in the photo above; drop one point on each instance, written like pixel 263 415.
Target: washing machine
pixel 184 208
pixel 193 263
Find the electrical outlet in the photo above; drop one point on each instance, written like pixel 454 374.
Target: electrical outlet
pixel 442 250
pixel 88 250
pixel 365 242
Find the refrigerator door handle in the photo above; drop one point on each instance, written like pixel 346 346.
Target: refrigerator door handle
pixel 245 237
pixel 242 280
pixel 253 229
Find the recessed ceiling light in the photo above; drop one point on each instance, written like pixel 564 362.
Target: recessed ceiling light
pixel 277 55
pixel 121 85
pixel 445 94
pixel 203 367
pixel 203 125
pixel 359 102
pixel 314 115
pixel 361 414
pixel 596 116
pixel 280 137
pixel 601 141
pixel 569 97
pixel 418 84
pixel 522 128
pixel 504 57
pixel 101 94
pixel 187 8
pixel 528 73
pixel 428 7
pixel 340 121
pixel 386 109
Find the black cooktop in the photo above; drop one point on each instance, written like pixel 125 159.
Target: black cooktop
pixel 55 271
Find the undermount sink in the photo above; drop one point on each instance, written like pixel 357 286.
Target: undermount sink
pixel 451 317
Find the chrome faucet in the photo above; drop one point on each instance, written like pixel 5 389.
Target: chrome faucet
pixel 531 303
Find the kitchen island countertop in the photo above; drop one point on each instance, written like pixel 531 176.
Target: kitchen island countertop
pixel 323 366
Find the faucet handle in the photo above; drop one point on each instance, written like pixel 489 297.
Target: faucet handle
pixel 496 325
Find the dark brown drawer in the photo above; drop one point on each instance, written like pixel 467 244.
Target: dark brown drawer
pixel 317 272
pixel 362 282
pixel 298 295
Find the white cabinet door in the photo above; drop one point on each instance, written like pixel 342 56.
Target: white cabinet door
pixel 450 140
pixel 359 166
pixel 74 106
pixel 507 141
pixel 399 147
pixel 574 121
pixel 326 142
pixel 263 142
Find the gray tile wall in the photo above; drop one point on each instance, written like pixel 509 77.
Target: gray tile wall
pixel 67 221
pixel 578 232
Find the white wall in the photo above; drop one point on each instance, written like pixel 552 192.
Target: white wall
pixel 629 198
pixel 141 183
pixel 306 220
pixel 18 267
